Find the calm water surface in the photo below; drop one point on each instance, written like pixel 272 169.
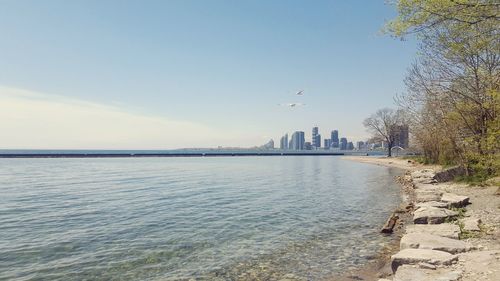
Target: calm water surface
pixel 231 218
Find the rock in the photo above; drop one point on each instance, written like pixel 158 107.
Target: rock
pixel 383 279
pixel 431 204
pixel 425 173
pixel 432 215
pixel 389 225
pixel 433 242
pixel 471 224
pixel 416 256
pixel 423 176
pixel 425 265
pixel 449 174
pixel 454 200
pixel 409 273
pixel 444 230
pixel 427 195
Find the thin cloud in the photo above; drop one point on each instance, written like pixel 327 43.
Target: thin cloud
pixel 32 120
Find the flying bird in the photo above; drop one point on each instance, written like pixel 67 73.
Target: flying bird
pixel 294 104
pixel 300 93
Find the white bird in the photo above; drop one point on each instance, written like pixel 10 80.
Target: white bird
pixel 300 93
pixel 294 104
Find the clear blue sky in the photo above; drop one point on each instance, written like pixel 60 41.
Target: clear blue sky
pixel 223 65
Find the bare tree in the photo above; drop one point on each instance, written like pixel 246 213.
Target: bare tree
pixel 384 125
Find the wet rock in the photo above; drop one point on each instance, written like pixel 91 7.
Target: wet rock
pixel 471 224
pixel 454 200
pixel 410 273
pixel 433 242
pixel 444 230
pixel 432 215
pixel 416 256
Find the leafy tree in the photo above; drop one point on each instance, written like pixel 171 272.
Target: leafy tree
pixel 453 87
pixel 384 125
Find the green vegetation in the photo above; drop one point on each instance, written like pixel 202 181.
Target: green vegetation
pixel 452 100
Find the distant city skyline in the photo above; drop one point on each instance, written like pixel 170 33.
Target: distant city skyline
pixel 175 74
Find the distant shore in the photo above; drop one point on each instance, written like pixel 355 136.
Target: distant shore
pixel 172 153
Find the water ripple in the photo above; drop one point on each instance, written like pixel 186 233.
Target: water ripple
pixel 180 218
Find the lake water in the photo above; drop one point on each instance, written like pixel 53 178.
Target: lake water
pixel 222 218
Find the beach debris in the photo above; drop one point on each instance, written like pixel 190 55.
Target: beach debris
pixel 389 225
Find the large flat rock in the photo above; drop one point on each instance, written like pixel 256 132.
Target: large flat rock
pixel 432 215
pixel 427 195
pixel 433 242
pixel 431 204
pixel 416 256
pixel 454 200
pixel 412 273
pixel 444 230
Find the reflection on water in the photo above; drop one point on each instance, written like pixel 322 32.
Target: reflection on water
pixel 230 218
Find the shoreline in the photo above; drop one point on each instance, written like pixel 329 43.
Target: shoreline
pixel 478 227
pixel 380 266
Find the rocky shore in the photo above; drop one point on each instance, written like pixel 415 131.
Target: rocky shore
pixel 448 231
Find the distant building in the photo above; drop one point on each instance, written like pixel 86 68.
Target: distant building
pixel 327 143
pixel 284 142
pixel 360 145
pixel 350 146
pixel 268 145
pixel 308 146
pixel 316 138
pixel 401 136
pixel 343 144
pixel 334 139
pixel 297 141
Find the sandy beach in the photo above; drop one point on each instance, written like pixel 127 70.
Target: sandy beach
pixel 474 216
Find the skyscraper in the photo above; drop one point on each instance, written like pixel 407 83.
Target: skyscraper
pixel 284 142
pixel 327 143
pixel 316 138
pixel 335 138
pixel 350 146
pixel 360 145
pixel 297 141
pixel 343 144
pixel 401 136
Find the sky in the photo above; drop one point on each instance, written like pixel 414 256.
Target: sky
pixel 93 74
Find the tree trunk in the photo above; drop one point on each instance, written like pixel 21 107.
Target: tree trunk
pixel 389 149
